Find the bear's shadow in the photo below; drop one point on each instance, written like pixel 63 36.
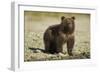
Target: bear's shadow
pixel 35 50
pixel 82 55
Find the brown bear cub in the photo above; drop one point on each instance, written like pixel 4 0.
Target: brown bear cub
pixel 57 35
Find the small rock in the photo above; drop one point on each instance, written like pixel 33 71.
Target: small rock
pixel 37 51
pixel 61 54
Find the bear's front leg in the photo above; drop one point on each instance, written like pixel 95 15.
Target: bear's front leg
pixel 59 43
pixel 70 45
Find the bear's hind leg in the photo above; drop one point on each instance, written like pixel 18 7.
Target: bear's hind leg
pixel 47 47
pixel 53 47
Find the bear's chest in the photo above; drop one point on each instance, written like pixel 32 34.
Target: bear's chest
pixel 64 37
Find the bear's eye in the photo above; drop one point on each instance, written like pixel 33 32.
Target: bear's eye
pixel 69 21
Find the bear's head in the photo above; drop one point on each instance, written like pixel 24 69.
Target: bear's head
pixel 68 24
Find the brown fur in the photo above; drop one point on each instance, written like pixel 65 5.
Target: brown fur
pixel 56 35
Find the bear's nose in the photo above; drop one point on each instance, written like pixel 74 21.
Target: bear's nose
pixel 70 25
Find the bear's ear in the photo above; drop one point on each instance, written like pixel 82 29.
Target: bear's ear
pixel 73 18
pixel 62 17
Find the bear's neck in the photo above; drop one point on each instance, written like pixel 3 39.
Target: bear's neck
pixel 67 30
